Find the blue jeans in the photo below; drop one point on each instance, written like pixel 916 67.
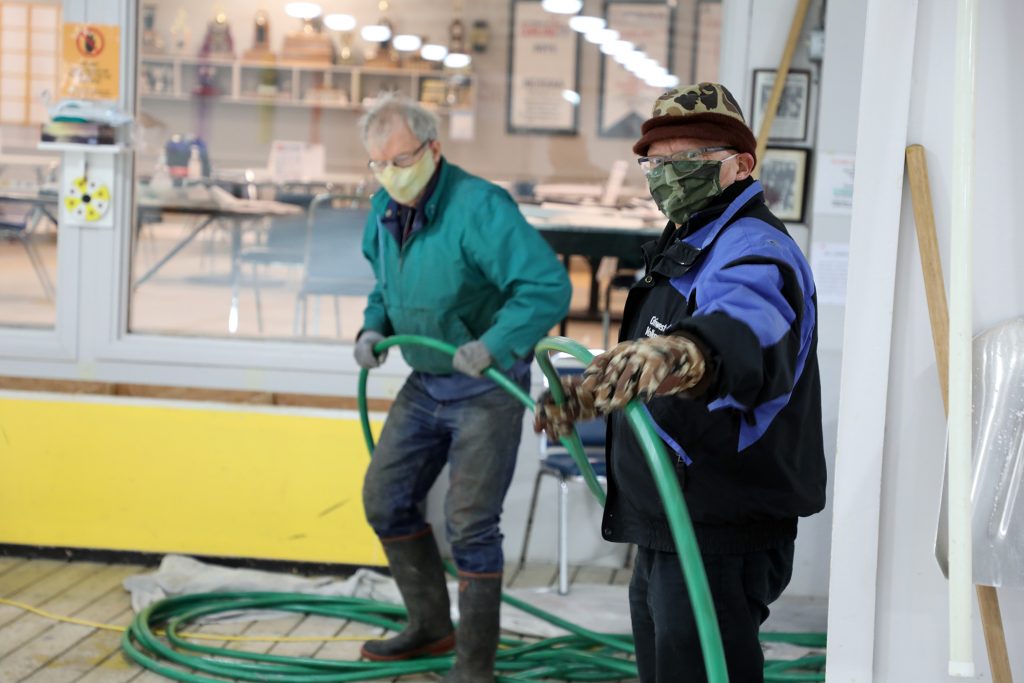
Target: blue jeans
pixel 478 437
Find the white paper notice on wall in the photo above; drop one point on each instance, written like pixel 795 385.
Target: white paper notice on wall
pixel 830 261
pixel 461 124
pixel 833 184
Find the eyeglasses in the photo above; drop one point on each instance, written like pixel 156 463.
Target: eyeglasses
pixel 401 161
pixel 650 164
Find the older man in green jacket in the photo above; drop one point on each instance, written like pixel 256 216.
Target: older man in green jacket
pixel 456 261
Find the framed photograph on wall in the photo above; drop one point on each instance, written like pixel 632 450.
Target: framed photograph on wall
pixel 784 176
pixel 791 116
pixel 626 100
pixel 543 82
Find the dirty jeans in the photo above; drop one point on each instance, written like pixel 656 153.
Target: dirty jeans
pixel 478 437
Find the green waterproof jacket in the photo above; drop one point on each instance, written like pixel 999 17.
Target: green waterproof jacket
pixel 475 270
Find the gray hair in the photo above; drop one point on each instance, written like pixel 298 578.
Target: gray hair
pixel 378 123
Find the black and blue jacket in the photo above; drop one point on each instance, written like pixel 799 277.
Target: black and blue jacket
pixel 748 448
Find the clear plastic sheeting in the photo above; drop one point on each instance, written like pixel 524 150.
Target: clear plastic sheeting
pixel 997 490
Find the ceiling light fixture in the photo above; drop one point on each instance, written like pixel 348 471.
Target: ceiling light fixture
pixel 602 36
pixel 585 24
pixel 407 42
pixel 433 52
pixel 376 33
pixel 457 60
pixel 562 6
pixel 340 22
pixel 303 10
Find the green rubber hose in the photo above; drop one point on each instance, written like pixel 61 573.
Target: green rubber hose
pixel 584 655
pixel 665 480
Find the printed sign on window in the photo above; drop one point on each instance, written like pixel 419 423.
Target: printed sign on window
pixel 90 66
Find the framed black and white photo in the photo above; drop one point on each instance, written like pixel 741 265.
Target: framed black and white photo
pixel 784 178
pixel 626 100
pixel 543 83
pixel 791 115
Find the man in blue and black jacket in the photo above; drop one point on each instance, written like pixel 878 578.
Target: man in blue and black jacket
pixel 718 339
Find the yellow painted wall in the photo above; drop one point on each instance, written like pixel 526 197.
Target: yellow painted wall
pixel 116 474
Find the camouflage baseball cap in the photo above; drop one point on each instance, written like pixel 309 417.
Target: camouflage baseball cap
pixel 703 110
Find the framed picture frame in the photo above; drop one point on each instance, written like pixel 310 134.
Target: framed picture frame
pixel 625 101
pixel 543 71
pixel 784 173
pixel 791 116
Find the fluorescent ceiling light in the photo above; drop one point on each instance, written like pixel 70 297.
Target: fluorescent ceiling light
pixel 630 58
pixel 585 24
pixel 667 81
pixel 375 33
pixel 571 96
pixel 407 42
pixel 617 47
pixel 456 60
pixel 562 6
pixel 340 22
pixel 433 52
pixel 303 10
pixel 602 36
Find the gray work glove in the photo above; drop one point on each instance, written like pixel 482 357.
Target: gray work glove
pixel 364 350
pixel 472 358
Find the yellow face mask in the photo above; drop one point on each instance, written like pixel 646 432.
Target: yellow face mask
pixel 404 185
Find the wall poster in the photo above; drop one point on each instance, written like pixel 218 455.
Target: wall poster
pixel 544 65
pixel 626 100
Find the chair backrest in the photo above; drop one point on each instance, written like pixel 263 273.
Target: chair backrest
pixel 334 236
pixel 14 216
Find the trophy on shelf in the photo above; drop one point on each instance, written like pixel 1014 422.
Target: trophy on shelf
pixel 308 45
pixel 180 33
pixel 218 42
pixel 456 36
pixel 346 55
pixel 480 36
pixel 152 43
pixel 260 50
pixel 380 52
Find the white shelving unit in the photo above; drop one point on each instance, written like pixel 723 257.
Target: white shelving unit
pixel 170 78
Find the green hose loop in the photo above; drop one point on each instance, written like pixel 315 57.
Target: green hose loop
pixel 665 480
pixel 584 655
pixel 675 508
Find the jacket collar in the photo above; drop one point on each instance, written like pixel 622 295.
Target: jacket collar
pixel 678 257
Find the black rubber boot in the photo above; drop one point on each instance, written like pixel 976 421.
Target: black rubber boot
pixel 476 642
pixel 415 564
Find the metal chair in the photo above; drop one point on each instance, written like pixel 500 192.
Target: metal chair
pixel 18 220
pixel 333 264
pixel 283 243
pixel 556 462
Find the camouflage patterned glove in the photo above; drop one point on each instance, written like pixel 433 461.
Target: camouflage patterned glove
pixel 557 421
pixel 644 368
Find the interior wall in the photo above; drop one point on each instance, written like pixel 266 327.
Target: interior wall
pixel 911 622
pixel 493 153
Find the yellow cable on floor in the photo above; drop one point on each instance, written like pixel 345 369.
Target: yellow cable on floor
pixel 194 636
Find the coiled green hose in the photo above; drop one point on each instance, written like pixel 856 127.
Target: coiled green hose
pixel 583 656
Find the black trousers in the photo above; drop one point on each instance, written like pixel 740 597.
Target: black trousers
pixel 664 629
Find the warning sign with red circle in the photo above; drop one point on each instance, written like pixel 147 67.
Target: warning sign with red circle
pixel 90 67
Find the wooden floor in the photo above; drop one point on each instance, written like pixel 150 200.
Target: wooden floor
pixel 36 649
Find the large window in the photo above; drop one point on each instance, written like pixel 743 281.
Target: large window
pixel 29 34
pixel 247 116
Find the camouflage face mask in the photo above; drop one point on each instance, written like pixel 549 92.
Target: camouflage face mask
pixel 681 188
